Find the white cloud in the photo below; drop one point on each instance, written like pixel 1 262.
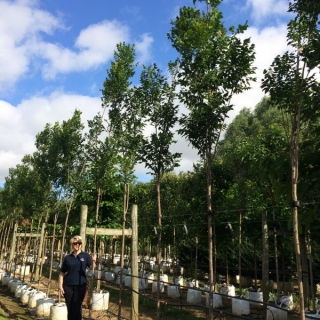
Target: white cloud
pixel 95 45
pixel 269 42
pixel 20 124
pixel 22 25
pixel 264 8
pixel 143 48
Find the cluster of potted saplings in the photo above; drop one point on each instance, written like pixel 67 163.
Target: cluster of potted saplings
pixel 172 283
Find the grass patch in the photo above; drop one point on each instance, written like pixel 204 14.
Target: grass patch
pixel 3 315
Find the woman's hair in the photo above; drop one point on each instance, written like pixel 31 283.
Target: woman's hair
pixel 75 239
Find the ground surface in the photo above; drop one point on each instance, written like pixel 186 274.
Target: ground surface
pixel 11 308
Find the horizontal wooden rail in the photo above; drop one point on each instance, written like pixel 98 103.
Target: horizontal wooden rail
pixel 109 232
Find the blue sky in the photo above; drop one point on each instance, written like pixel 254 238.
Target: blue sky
pixel 54 55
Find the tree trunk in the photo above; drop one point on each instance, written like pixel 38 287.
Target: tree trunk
pixel 305 270
pixel 159 244
pixel 265 261
pixel 275 243
pixel 294 175
pixel 255 265
pixel 210 219
pixel 52 251
pixel 239 257
pixel 311 272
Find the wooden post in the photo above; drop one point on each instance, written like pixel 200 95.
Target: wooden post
pixel 37 273
pixel 134 262
pixel 83 224
pixel 13 246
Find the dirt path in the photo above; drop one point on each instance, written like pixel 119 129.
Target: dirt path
pixel 11 306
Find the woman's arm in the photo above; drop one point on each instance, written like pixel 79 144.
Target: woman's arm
pixel 61 276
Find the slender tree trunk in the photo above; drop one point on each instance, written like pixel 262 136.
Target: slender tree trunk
pixel 227 266
pixel 45 241
pixel 265 261
pixel 255 265
pixel 210 220
pixel 95 250
pixel 35 250
pixel 240 243
pixel 159 244
pixel 283 266
pixel 125 209
pixel 5 229
pixel 52 252
pixel 311 272
pixel 275 243
pixel 305 269
pixel 294 173
pixel 7 237
pixel 196 262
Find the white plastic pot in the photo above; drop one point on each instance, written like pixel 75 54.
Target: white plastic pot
pixel 257 296
pixel 25 270
pixel 17 268
pixel 173 291
pixel 194 296
pixel 43 307
pixel 240 306
pixel 229 290
pixel 117 269
pixel 100 301
pixel 19 290
pixel 150 276
pixel 178 280
pixel 216 300
pixel 110 276
pixel 2 274
pixel 33 297
pixel 25 295
pixel 116 260
pixel 155 286
pixel 14 284
pixel 127 281
pixel 11 281
pixel 192 283
pixel 59 311
pixel 118 279
pixel 164 278
pixel 143 284
pixel 277 314
pixel 5 280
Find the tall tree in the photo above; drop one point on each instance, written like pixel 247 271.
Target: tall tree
pixel 60 157
pixel 214 64
pixel 126 123
pixel 292 85
pixel 157 99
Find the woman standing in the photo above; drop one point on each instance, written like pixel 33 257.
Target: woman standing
pixel 72 278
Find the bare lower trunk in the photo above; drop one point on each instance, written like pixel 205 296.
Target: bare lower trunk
pixel 265 261
pixel 311 272
pixel 125 209
pixel 239 258
pixel 159 245
pixel 52 251
pixel 305 269
pixel 295 219
pixel 210 233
